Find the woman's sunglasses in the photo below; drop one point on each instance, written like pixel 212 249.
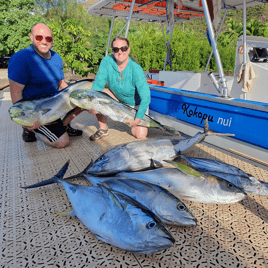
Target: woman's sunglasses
pixel 39 38
pixel 123 49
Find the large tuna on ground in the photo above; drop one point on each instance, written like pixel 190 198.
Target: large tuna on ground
pixel 138 155
pixel 230 173
pixel 186 183
pixel 115 218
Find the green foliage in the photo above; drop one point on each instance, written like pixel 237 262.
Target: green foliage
pixel 72 43
pixel 148 47
pixel 16 21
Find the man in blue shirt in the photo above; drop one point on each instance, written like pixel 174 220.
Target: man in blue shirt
pixel 37 72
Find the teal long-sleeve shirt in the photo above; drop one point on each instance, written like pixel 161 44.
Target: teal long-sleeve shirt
pixel 129 86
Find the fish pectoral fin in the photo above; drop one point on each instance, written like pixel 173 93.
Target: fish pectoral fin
pixel 66 213
pixel 155 164
pixel 44 111
pixel 254 180
pixel 110 196
pixel 104 101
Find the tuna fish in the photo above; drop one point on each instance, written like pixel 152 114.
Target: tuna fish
pixel 230 173
pixel 186 183
pixel 114 217
pixel 45 110
pixel 136 156
pixel 115 110
pixel 165 205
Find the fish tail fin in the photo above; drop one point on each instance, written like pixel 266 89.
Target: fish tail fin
pixel 171 130
pixel 168 129
pixel 209 132
pixel 80 174
pixel 54 179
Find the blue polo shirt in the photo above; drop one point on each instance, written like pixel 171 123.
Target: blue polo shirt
pixel 40 76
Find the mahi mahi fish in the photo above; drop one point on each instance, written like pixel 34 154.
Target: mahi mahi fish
pixel 114 217
pixel 115 110
pixel 235 175
pixel 136 156
pixel 188 184
pixel 45 110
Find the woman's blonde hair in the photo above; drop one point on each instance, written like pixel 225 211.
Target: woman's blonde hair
pixel 120 38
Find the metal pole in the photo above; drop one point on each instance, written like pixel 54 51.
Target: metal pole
pixel 215 49
pixel 165 64
pixel 122 29
pixel 218 34
pixel 244 39
pixel 129 17
pixel 165 44
pixel 244 32
pixel 110 34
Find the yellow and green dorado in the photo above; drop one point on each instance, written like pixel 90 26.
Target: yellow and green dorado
pixel 109 107
pixel 46 110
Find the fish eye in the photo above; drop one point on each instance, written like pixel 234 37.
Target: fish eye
pixel 230 185
pixel 181 207
pixel 151 225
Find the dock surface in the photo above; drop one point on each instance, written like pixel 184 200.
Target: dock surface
pixel 32 235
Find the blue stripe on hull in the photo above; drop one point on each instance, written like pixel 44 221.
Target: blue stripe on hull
pixel 225 116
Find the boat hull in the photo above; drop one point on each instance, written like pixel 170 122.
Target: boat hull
pixel 248 120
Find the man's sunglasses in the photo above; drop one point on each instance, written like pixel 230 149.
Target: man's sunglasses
pixel 39 38
pixel 123 49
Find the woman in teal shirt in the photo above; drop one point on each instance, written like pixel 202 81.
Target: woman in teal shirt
pixel 126 82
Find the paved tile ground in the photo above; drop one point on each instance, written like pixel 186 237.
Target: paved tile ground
pixel 32 235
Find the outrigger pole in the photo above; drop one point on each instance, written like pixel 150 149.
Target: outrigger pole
pixel 110 34
pixel 127 24
pixel 218 34
pixel 129 17
pixel 216 51
pixel 244 40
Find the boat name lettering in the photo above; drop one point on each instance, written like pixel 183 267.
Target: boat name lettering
pixel 224 122
pixel 196 113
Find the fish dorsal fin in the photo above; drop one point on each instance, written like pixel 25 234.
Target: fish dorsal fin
pixel 111 197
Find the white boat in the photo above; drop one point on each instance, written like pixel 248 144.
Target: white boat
pixel 187 98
